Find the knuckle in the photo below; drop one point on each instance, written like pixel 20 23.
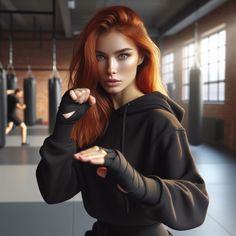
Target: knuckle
pixel 77 91
pixel 104 152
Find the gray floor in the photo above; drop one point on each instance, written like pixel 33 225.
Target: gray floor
pixel 23 212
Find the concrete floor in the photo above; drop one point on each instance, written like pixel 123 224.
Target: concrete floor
pixel 23 212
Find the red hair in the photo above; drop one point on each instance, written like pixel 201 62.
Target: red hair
pixel 84 73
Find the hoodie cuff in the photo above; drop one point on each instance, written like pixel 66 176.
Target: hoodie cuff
pixel 61 133
pixel 153 191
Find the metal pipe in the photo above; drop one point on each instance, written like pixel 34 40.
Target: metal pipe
pixel 54 49
pixel 26 12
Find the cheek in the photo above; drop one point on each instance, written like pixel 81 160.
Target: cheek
pixel 100 68
pixel 129 66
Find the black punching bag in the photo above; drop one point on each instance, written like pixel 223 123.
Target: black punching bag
pixel 195 107
pixel 171 90
pixel 11 79
pixel 54 93
pixel 30 101
pixel 3 107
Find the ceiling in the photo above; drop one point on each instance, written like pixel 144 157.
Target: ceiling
pixel 161 17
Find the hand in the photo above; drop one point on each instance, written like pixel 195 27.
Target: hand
pixel 94 155
pixel 80 95
pixel 127 178
pixel 20 106
pixel 74 105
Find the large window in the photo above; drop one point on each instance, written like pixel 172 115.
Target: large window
pixel 188 62
pixel 168 68
pixel 213 67
pixel 212 59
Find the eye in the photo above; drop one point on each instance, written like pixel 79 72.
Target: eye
pixel 100 57
pixel 123 56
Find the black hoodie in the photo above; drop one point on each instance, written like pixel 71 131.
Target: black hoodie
pixel 147 131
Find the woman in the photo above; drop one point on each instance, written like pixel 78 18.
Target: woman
pixel 118 139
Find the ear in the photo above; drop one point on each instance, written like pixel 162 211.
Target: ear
pixel 140 60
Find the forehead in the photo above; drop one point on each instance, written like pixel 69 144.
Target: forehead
pixel 114 41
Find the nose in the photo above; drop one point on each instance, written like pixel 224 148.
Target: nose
pixel 112 66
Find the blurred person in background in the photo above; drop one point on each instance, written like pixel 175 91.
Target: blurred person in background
pixel 13 103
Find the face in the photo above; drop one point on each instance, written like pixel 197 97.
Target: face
pixel 20 94
pixel 117 58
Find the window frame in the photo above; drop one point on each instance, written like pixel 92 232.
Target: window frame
pixel 209 83
pixel 164 66
pixel 186 69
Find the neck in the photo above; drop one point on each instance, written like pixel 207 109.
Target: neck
pixel 125 96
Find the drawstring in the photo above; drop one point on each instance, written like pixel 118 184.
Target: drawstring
pixel 123 149
pixel 123 130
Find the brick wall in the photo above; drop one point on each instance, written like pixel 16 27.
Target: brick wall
pixel 38 54
pixel 225 14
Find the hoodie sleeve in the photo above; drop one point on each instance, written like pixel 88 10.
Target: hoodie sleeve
pixel 183 200
pixel 56 173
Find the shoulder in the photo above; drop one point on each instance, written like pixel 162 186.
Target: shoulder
pixel 10 97
pixel 16 99
pixel 164 120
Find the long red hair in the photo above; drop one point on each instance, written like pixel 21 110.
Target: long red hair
pixel 84 73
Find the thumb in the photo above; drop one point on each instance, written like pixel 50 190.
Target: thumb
pixel 91 100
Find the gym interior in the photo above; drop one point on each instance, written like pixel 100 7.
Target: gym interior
pixel 196 39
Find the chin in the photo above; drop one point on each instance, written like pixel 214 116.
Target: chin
pixel 112 90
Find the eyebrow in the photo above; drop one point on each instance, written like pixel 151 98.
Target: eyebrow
pixel 118 51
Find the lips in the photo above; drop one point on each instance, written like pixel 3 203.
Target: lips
pixel 112 82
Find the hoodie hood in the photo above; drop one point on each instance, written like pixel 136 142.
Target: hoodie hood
pixel 154 100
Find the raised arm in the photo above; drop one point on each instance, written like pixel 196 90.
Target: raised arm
pixel 57 173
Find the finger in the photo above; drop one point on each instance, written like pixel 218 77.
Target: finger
pixel 73 95
pixel 90 156
pixel 87 93
pixel 95 159
pixel 91 100
pixel 80 93
pixel 91 150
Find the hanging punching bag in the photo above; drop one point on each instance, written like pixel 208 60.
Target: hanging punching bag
pixel 3 107
pixel 30 101
pixel 54 93
pixel 195 107
pixel 12 81
pixel 171 90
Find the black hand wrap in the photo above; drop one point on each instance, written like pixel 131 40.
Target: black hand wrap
pixel 139 187
pixel 64 125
